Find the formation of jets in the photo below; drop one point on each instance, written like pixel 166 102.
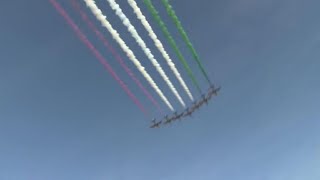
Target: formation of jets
pixel 188 111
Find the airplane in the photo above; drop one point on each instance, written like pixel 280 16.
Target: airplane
pixel 197 105
pixel 179 116
pixel 175 115
pixel 189 112
pixel 192 109
pixel 155 124
pixel 203 100
pixel 214 91
pixel 184 113
pixel 168 120
pixel 211 92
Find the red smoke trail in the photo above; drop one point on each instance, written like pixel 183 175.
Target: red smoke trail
pixel 103 61
pixel 85 18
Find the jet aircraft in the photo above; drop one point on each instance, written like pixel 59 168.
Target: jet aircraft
pixel 155 124
pixel 168 120
pixel 189 112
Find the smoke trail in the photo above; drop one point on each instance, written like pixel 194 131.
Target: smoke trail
pixel 172 42
pixel 90 46
pixel 184 35
pixel 159 45
pixel 143 46
pixel 85 18
pixel 103 19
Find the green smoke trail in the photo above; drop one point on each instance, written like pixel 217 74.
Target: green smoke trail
pixel 184 35
pixel 172 42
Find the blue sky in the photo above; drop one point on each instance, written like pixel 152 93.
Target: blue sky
pixel 63 117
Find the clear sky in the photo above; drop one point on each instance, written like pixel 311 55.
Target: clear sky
pixel 63 117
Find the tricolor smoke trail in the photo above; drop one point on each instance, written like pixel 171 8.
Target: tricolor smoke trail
pixel 103 19
pixel 90 46
pixel 159 45
pixel 144 47
pixel 171 41
pixel 85 18
pixel 185 37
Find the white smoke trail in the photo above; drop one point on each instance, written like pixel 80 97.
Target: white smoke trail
pixel 143 46
pixel 103 19
pixel 159 45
